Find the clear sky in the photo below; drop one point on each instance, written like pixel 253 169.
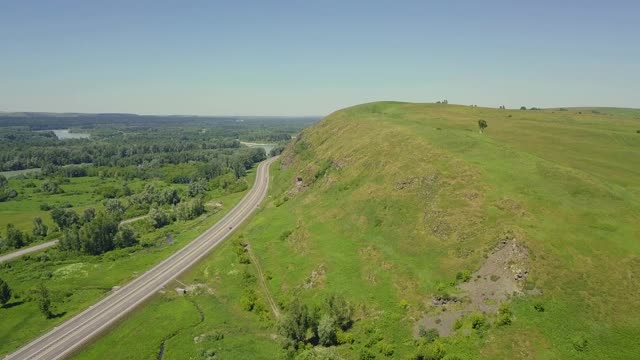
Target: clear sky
pixel 310 57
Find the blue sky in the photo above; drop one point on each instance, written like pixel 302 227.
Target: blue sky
pixel 313 57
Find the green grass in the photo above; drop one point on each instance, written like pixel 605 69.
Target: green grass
pixel 177 320
pixel 415 194
pixel 77 281
pixel 79 192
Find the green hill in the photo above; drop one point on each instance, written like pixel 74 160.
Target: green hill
pixel 418 219
pixel 398 198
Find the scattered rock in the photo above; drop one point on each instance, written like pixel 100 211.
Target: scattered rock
pixel 443 300
pixel 317 276
pixel 500 277
pixel 181 291
pixel 403 184
pixel 199 289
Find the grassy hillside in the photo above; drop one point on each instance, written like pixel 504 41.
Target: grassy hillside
pixel 399 204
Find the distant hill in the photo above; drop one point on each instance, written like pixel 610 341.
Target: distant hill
pixel 409 210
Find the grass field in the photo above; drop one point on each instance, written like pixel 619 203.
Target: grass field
pixel 77 281
pixel 79 192
pixel 398 198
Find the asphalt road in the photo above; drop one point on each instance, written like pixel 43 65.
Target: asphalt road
pixel 69 336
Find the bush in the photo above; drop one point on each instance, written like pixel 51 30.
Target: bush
pixel 366 354
pixel 539 307
pixel 385 349
pixel 504 315
pixel 580 343
pixel 344 337
pixel 463 276
pixel 433 351
pixel 248 300
pixel 285 235
pixel 430 335
pixel 478 321
pixel 452 357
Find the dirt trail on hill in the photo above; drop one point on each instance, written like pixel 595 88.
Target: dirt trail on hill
pixel 263 283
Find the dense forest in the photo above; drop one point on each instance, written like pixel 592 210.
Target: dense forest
pixel 126 140
pixel 177 162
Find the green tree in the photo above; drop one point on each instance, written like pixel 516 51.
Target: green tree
pixel 159 218
pixel 170 196
pixel 125 237
pixel 197 187
pixel 296 322
pixel 64 218
pixel 327 330
pixel 97 236
pixel 5 192
pixel 88 214
pixel 341 310
pixel 5 292
pixel 114 207
pixel 188 210
pixel 482 124
pixel 44 301
pixel 70 240
pixel 39 227
pixel 15 238
pixel 52 187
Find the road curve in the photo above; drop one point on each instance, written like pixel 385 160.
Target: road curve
pixel 25 251
pixel 66 338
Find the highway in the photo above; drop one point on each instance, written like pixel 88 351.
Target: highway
pixel 69 336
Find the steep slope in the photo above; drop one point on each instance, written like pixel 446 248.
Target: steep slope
pixel 521 242
pixel 387 202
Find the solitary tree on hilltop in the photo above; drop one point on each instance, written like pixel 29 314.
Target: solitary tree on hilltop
pixel 482 124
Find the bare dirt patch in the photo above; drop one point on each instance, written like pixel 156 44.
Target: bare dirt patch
pixel 317 278
pixel 501 276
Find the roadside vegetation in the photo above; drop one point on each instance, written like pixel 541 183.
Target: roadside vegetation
pixel 118 202
pixel 405 213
